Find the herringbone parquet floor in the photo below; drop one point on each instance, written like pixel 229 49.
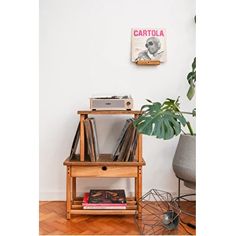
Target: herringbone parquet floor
pixel 53 222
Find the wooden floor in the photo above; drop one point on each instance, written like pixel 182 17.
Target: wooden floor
pixel 53 222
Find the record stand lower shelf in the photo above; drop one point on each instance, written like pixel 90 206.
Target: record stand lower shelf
pixel 77 208
pixel 79 169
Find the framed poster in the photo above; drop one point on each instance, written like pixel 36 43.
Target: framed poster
pixel 148 45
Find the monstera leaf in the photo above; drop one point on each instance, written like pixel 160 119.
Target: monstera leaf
pixel 192 80
pixel 161 120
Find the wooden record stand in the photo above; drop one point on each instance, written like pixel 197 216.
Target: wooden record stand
pixel 103 168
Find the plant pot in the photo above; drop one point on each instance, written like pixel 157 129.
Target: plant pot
pixel 184 162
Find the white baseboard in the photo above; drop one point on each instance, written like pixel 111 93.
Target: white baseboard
pixel 52 196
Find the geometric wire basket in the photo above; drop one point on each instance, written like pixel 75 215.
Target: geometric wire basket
pixel 160 213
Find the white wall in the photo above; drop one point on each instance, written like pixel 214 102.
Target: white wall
pixel 85 50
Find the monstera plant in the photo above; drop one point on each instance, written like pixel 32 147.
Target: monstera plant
pixel 164 121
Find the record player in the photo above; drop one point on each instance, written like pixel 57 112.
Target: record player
pixel 111 103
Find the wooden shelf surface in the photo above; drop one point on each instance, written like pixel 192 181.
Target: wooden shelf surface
pixel 104 160
pixel 110 112
pixel 148 62
pixel 103 212
pixel 77 208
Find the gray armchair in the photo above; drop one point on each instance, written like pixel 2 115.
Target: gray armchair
pixel 184 162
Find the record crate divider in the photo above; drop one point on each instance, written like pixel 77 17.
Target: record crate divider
pixel 103 168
